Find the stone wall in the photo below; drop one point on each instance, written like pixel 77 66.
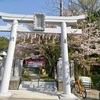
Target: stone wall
pixel 14 83
pixel 59 85
pixel 60 74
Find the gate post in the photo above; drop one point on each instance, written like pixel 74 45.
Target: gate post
pixel 65 64
pixel 9 59
pixel 65 61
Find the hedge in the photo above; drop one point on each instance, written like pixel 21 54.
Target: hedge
pixel 96 80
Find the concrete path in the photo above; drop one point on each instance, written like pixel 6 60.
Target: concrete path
pixel 91 95
pixel 33 91
pixel 33 95
pixel 30 95
pixel 45 91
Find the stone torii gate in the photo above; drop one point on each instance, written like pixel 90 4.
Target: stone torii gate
pixel 39 21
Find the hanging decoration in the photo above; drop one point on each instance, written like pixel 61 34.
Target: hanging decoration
pixel 34 35
pixel 43 36
pixel 49 37
pixel 28 35
pixel 46 39
pixel 32 39
pixel 39 39
pixel 24 38
pixel 54 37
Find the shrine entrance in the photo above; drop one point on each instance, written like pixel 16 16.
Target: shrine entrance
pixel 40 25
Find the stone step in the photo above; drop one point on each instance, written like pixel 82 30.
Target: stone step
pixel 38 86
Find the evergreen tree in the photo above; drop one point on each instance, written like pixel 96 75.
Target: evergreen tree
pixel 3 43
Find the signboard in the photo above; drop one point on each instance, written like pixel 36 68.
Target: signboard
pixel 35 63
pixel 39 22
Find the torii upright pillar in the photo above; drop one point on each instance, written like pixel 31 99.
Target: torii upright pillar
pixel 65 61
pixel 66 95
pixel 9 59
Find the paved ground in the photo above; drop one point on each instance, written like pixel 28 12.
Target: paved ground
pixel 34 91
pixel 29 91
pixel 92 95
pixel 33 95
pixel 30 95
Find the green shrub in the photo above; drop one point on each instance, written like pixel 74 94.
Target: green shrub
pixel 26 77
pixel 95 80
pixel 46 78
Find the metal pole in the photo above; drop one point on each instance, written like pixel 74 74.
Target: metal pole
pixel 9 59
pixel 61 7
pixel 65 61
pixel 38 77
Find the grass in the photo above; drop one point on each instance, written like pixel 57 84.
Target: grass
pixel 46 78
pixel 26 77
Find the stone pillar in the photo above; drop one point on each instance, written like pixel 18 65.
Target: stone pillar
pixel 9 59
pixel 59 75
pixel 72 71
pixel 16 67
pixel 59 70
pixel 2 67
pixel 21 66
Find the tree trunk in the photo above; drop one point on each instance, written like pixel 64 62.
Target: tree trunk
pixel 51 73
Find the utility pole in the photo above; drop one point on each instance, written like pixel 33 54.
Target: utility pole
pixel 61 7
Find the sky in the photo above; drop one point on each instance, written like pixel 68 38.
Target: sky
pixel 21 7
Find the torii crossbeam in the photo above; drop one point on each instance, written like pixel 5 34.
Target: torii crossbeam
pixel 39 22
